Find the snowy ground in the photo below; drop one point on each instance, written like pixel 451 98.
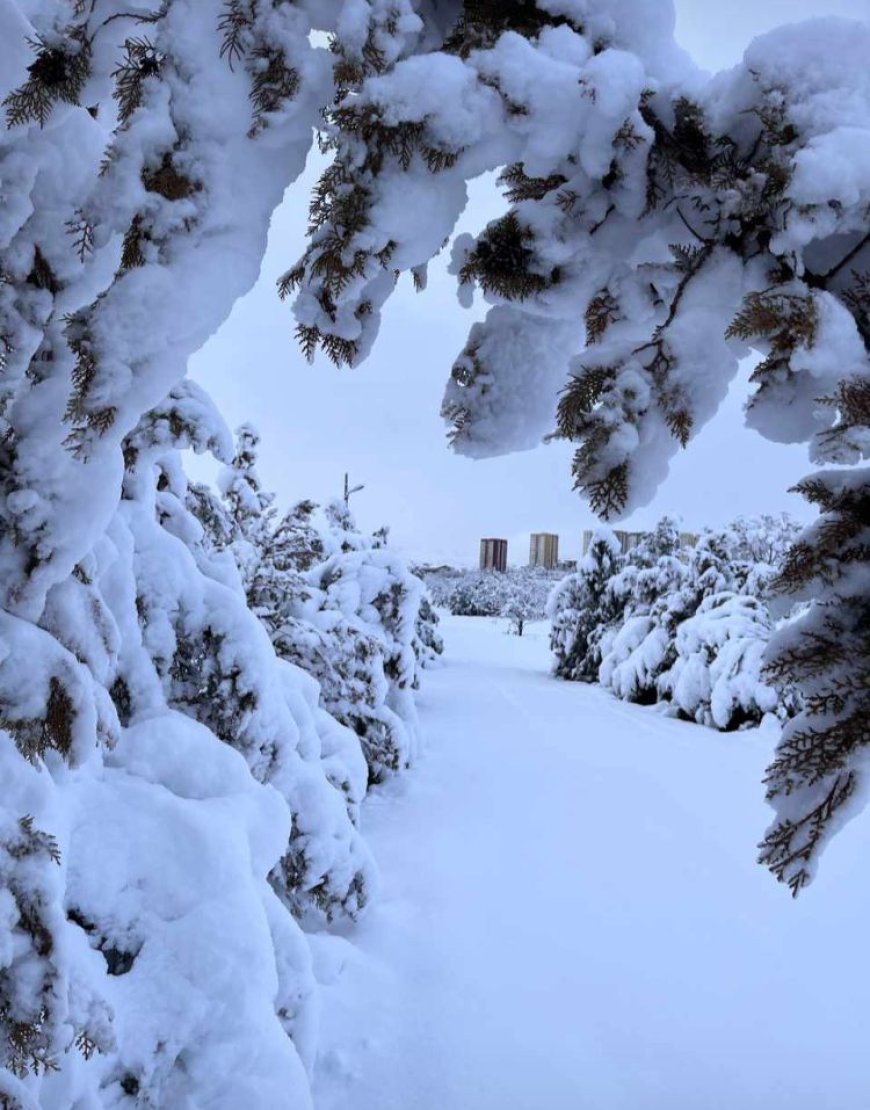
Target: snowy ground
pixel 571 917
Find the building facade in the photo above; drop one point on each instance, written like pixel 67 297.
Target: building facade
pixel 543 550
pixel 493 555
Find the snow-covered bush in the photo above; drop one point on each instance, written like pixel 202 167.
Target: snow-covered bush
pixel 717 678
pixel 168 815
pixel 372 592
pixel 439 581
pixel 336 603
pixel 428 642
pixel 477 594
pixel 216 664
pixel 581 607
pixel 684 625
pixel 646 598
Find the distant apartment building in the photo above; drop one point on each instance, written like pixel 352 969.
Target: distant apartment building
pixel 628 541
pixel 543 550
pixel 493 555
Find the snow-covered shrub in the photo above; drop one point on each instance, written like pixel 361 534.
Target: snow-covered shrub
pixel 632 656
pixel 581 608
pixel 336 603
pixel 347 664
pixel 439 582
pixel 765 539
pixel 373 592
pixel 216 664
pixel 717 678
pixel 477 594
pixel 428 643
pixel 525 593
pixel 647 598
pixel 746 555
pixel 660 596
pixel 167 814
pixel 683 624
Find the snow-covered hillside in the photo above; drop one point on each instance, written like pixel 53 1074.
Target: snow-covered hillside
pixel 571 916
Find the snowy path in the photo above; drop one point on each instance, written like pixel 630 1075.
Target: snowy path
pixel 571 917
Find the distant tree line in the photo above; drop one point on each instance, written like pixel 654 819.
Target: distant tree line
pixel 519 594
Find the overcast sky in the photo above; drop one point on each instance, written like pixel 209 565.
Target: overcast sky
pixel 381 422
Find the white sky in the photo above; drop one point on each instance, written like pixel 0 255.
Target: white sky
pixel 381 420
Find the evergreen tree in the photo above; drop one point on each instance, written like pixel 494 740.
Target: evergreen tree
pixel 296 544
pixel 721 627
pixel 212 659
pixel 370 591
pixel 148 951
pixel 639 646
pixel 342 528
pixel 582 606
pixel 428 644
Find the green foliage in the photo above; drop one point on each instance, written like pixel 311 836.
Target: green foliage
pixel 602 311
pixel 27 1021
pixel 502 261
pixel 520 187
pixel 234 26
pixel 273 83
pixel 34 737
pixel 141 62
pixel 483 21
pixel 56 75
pixel 828 658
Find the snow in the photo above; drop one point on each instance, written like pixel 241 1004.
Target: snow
pixel 225 928
pixel 719 670
pixel 515 396
pixel 571 917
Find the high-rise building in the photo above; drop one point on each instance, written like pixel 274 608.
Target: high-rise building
pixel 493 555
pixel 543 550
